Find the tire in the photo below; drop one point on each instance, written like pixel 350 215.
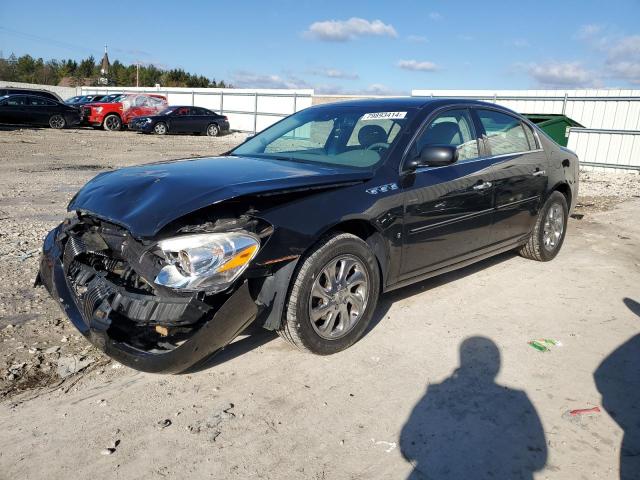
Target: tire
pixel 160 128
pixel 112 122
pixel 549 231
pixel 57 121
pixel 213 130
pixel 342 325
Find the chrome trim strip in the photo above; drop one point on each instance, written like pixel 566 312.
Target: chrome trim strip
pixel 452 220
pixel 517 202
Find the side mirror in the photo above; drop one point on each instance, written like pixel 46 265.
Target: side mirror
pixel 434 156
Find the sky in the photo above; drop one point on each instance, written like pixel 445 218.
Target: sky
pixel 341 47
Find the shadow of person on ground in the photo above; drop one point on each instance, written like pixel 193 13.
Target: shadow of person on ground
pixel 468 426
pixel 618 381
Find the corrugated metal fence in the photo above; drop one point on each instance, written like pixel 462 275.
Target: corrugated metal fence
pixel 249 110
pixel 611 137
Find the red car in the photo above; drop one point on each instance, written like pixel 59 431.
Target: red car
pixel 115 113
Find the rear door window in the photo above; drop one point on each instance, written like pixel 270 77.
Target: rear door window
pixel 504 133
pixel 39 102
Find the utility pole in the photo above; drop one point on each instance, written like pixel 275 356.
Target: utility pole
pixel 137 74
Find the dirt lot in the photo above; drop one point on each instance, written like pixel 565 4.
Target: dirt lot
pixel 263 410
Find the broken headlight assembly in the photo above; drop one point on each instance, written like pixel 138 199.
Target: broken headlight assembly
pixel 206 262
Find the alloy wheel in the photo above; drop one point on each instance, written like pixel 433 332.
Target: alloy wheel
pixel 112 122
pixel 339 297
pixel 212 130
pixel 160 129
pixel 553 227
pixel 57 121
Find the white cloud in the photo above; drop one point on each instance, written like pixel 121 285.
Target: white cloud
pixel 416 66
pixel 626 47
pixel 519 43
pixel 417 39
pixel 623 59
pixel 245 79
pixel 589 31
pixel 435 16
pixel 381 89
pixel 334 73
pixel 344 30
pixel 561 74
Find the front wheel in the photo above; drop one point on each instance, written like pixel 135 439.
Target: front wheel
pixel 333 296
pixel 57 122
pixel 112 123
pixel 549 231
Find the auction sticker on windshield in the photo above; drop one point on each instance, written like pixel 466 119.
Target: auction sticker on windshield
pixel 383 115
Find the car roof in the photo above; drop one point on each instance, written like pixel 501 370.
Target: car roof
pixel 187 106
pixel 30 91
pixel 407 102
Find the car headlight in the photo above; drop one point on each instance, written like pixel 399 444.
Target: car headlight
pixel 210 262
pixel 146 120
pixel 98 109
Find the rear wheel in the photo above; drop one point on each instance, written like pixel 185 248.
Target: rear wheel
pixel 333 296
pixel 57 121
pixel 112 122
pixel 549 231
pixel 160 128
pixel 213 130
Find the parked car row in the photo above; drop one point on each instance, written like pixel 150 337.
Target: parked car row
pixel 142 112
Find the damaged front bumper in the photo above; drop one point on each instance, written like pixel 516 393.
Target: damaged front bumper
pixel 148 331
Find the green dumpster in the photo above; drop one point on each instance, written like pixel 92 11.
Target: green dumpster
pixel 556 126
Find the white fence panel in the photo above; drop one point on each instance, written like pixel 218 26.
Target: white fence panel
pixel 605 109
pixel 606 149
pixel 248 109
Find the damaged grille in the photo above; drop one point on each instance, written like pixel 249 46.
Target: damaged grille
pixel 109 273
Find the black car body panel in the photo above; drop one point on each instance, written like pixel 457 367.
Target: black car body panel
pixel 181 187
pixel 418 222
pixel 34 110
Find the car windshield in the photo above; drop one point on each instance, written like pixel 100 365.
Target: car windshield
pixel 348 136
pixel 167 111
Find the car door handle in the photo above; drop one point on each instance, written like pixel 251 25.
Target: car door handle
pixel 482 186
pixel 538 173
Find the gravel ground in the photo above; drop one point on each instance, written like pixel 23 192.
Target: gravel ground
pixel 41 169
pixel 63 403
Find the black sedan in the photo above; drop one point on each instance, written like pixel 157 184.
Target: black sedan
pixel 35 110
pixel 300 228
pixel 182 119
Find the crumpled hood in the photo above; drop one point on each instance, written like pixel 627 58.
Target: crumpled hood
pixel 146 198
